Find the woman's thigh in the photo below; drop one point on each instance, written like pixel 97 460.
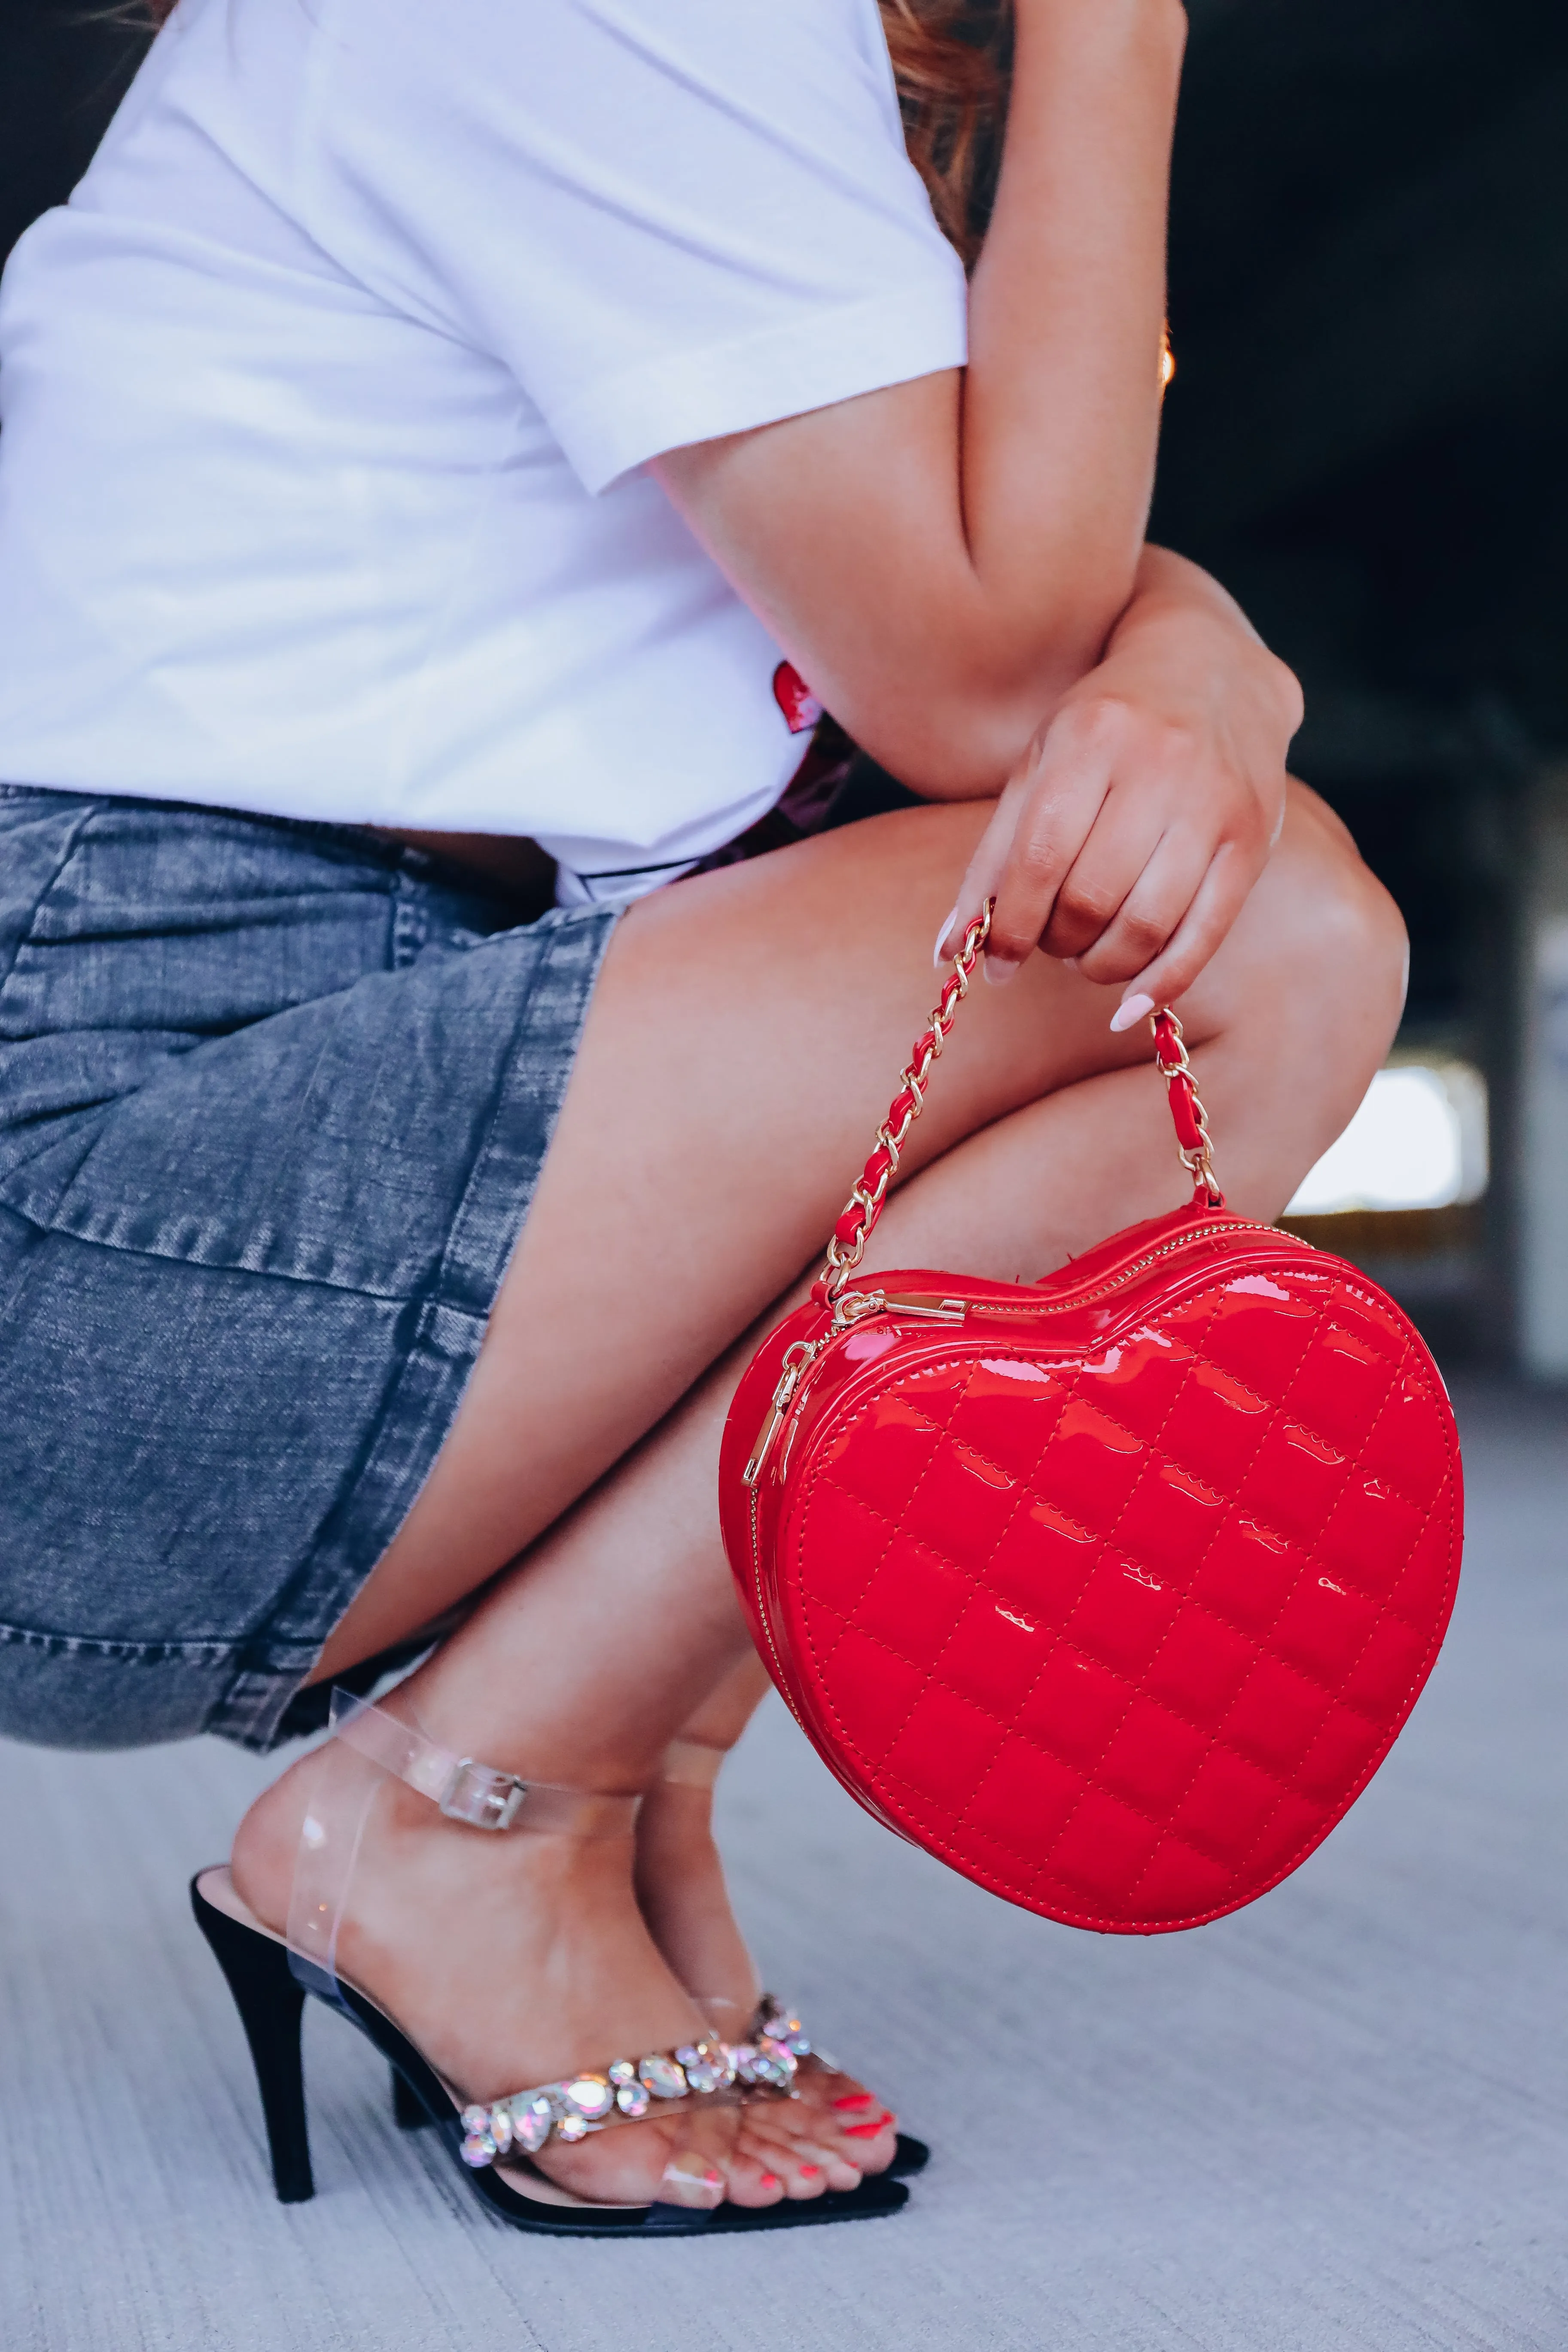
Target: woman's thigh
pixel 740 1047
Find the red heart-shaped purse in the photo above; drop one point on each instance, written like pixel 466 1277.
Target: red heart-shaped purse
pixel 1112 1591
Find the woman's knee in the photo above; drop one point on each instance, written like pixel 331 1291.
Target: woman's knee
pixel 1342 937
pixel 1307 992
pixel 1320 940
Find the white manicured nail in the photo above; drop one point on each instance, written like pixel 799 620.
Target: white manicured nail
pixel 688 2180
pixel 948 921
pixel 1135 1009
pixel 1000 970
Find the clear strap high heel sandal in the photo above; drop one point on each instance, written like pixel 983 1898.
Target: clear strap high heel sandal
pixel 492 2144
pixel 770 2046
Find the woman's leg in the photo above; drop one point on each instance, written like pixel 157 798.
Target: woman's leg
pixel 743 1044
pixel 679 1877
pixel 704 1148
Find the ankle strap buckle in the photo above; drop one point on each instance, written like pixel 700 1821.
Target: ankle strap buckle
pixel 482 1797
pixel 479 1795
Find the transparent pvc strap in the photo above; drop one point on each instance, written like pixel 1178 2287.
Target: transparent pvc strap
pixel 368 1745
pixel 691 1764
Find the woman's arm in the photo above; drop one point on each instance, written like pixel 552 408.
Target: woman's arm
pixel 943 558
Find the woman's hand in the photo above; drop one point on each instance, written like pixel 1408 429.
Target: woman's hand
pixel 1146 806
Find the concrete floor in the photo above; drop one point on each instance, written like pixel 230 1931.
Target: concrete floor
pixel 1340 2120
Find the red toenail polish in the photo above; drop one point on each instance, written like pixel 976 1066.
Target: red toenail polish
pixel 860 2099
pixel 861 2131
pixel 771 2180
pixel 809 2171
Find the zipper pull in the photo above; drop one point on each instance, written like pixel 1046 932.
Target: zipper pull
pixel 932 1310
pixel 778 1411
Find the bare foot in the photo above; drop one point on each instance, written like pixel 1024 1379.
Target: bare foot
pixel 686 1903
pixel 519 1960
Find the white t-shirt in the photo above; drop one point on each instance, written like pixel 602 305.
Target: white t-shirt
pixel 326 402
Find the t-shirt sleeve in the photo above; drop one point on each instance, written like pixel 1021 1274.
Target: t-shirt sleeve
pixel 671 219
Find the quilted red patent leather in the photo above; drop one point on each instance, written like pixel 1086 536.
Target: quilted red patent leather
pixel 1112 1591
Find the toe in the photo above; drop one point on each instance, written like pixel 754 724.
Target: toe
pixel 853 2127
pixel 690 2178
pixel 809 2165
pixel 844 2112
pixel 678 2160
pixel 872 2139
pixel 752 2180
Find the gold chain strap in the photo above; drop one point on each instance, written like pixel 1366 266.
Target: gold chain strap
pixel 846 1246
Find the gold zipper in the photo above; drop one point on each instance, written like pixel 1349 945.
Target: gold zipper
pixel 956 1310
pixel 1058 1304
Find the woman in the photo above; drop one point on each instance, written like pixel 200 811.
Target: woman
pixel 437 443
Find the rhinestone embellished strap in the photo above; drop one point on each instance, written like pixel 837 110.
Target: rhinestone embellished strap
pixel 766 2049
pixel 526 2121
pixel 776 2041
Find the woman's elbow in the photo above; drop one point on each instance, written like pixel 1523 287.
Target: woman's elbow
pixel 954 718
pixel 963 754
pixel 961 739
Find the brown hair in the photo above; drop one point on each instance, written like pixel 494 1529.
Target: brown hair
pixel 951 60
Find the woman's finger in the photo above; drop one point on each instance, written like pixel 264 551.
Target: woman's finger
pixel 1220 897
pixel 1150 913
pixel 1065 791
pixel 984 870
pixel 1123 839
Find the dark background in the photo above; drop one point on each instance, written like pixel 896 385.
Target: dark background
pixel 1369 303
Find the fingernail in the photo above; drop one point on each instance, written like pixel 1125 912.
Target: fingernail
pixel 1000 970
pixel 867 2131
pixel 1136 1008
pixel 689 2182
pixel 948 921
pixel 859 2099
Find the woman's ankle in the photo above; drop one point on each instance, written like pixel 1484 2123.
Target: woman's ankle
pixel 683 1897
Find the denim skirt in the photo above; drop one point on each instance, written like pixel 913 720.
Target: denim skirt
pixel 274 1100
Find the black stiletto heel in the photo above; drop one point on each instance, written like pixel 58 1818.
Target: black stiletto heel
pixel 271 2008
pixel 409 2113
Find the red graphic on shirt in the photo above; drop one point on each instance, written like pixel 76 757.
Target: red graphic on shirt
pixel 795 698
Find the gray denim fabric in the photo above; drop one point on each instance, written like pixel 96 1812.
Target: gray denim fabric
pixel 274 1100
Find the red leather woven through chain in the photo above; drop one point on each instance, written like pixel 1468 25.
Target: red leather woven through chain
pixel 1114 1591
pixel 864 1204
